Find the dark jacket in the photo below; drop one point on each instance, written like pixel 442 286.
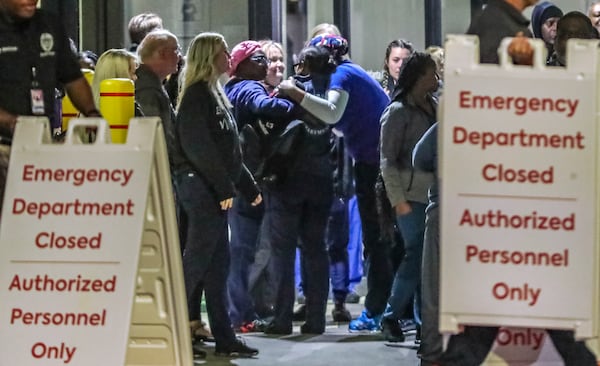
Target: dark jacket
pixel 153 100
pixel 425 159
pixel 40 43
pixel 498 20
pixel 208 142
pixel 267 116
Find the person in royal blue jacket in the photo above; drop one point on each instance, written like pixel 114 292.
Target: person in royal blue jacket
pixel 353 104
pixel 260 119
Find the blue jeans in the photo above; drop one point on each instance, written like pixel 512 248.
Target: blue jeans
pixel 244 224
pixel 407 281
pixel 337 237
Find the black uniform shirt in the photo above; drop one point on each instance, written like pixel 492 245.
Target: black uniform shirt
pixel 498 20
pixel 39 42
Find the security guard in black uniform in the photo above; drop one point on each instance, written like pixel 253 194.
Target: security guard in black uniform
pixel 34 58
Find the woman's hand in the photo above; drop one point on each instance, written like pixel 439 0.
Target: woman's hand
pixel 257 200
pixel 403 208
pixel 226 204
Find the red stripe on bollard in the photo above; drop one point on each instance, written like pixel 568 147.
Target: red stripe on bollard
pixel 117 94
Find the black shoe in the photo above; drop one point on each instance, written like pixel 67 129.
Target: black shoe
pixel 198 352
pixel 300 314
pixel 265 311
pixel 277 329
pixel 310 329
pixel 390 328
pixel 340 314
pixel 236 349
pixel 408 325
pixel 352 298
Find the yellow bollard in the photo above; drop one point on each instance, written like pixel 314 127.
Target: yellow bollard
pixel 117 106
pixel 68 109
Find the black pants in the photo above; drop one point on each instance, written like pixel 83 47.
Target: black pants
pixel 206 255
pixel 378 267
pixel 296 214
pixel 471 347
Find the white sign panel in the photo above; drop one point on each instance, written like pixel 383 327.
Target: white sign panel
pixel 523 346
pixel 518 171
pixel 69 246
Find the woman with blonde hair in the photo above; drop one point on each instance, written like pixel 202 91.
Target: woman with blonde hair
pixel 275 57
pixel 324 28
pixel 114 63
pixel 208 173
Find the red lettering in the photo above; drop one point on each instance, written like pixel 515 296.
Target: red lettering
pixel 498 173
pixel 464 98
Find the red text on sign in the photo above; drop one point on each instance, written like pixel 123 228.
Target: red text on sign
pixel 517 257
pixel 521 337
pixel 517 105
pixel 500 173
pixel 503 291
pixel 62 352
pixel 51 240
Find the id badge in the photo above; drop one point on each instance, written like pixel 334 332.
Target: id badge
pixel 37 101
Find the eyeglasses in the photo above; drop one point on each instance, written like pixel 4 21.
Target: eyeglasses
pixel 259 59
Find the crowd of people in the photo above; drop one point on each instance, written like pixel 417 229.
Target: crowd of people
pixel 262 165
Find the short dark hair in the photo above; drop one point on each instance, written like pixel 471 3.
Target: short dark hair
pixel 318 59
pixel 575 24
pixel 142 24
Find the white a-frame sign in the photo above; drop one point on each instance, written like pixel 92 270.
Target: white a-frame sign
pixel 91 266
pixel 519 186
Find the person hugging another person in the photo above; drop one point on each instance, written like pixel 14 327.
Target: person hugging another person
pixel 261 277
pixel 260 119
pixel 297 208
pixel 353 104
pixel 275 58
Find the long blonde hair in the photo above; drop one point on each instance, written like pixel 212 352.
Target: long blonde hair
pixel 113 63
pixel 200 65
